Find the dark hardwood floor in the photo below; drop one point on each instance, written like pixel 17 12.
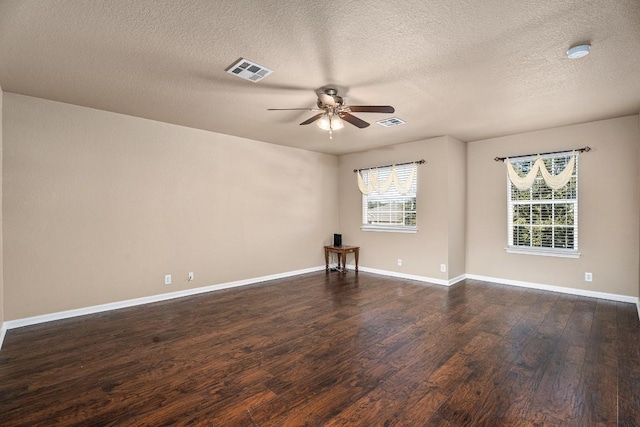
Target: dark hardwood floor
pixel 334 350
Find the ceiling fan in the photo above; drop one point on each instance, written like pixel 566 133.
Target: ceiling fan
pixel 333 112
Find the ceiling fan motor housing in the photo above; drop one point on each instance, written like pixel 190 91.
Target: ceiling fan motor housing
pixel 330 98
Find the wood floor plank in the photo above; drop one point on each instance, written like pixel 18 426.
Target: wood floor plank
pixel 492 396
pixel 600 370
pixel 332 349
pixel 628 366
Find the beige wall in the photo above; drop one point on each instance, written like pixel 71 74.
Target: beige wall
pixel 608 202
pixel 423 252
pixel 100 206
pixel 1 226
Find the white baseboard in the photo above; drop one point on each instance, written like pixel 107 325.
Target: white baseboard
pixel 552 288
pixel 435 281
pixel 455 280
pixel 3 332
pixel 17 323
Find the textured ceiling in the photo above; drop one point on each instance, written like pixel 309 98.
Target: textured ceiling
pixel 470 69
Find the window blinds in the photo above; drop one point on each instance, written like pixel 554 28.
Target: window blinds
pixel 389 195
pixel 539 216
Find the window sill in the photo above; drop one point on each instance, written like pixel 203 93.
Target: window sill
pixel 543 252
pixel 389 229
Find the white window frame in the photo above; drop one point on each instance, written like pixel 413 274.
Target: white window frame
pixel 391 195
pixel 533 201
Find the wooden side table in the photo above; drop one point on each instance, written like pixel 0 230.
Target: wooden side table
pixel 342 252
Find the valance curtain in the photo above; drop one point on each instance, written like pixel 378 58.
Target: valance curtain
pixel 382 187
pixel 555 182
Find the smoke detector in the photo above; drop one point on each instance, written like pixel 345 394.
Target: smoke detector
pixel 578 51
pixel 249 70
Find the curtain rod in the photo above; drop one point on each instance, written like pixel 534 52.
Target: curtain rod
pixel 419 162
pixel 580 150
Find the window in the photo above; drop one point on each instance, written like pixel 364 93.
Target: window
pixel 390 210
pixel 542 220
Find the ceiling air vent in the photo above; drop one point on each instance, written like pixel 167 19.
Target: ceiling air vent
pixel 393 121
pixel 249 70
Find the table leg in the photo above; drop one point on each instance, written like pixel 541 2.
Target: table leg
pixel 356 253
pixel 344 261
pixel 326 259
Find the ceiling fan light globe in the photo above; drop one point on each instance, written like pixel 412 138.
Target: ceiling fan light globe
pixel 336 123
pixel 325 122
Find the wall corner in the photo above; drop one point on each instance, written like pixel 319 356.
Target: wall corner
pixel 456 206
pixel 2 326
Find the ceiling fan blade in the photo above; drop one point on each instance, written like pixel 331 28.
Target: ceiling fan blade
pixel 312 119
pixel 292 109
pixel 354 120
pixel 372 108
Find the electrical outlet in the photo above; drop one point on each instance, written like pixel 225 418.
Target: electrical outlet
pixel 190 277
pixel 399 262
pixel 443 268
pixel 167 279
pixel 588 277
